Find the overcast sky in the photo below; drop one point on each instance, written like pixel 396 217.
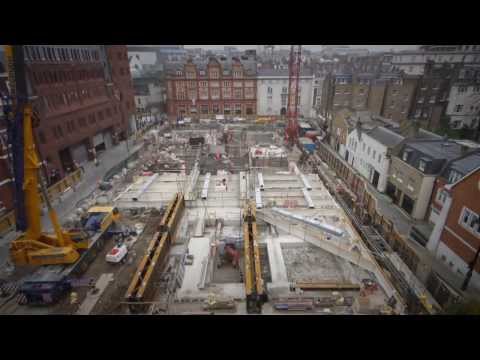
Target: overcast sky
pixel 314 47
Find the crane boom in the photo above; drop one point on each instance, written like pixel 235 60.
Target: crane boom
pixel 291 131
pixel 33 247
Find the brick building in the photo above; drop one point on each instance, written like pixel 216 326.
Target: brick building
pixel 432 92
pixel 388 94
pixel 455 210
pixel 84 96
pixel 218 86
pixel 6 188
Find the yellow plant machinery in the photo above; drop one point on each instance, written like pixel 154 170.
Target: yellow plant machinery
pixel 140 289
pixel 254 284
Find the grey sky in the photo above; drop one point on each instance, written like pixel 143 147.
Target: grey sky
pixel 315 47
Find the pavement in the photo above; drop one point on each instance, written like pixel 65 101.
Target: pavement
pixel 92 176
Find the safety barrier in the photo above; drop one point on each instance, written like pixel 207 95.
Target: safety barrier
pixel 69 181
pixel 7 221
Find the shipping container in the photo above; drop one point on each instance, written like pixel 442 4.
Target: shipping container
pixel 307 144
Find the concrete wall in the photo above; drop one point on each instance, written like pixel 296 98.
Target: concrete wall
pixel 423 199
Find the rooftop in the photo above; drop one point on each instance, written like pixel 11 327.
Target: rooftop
pixel 385 136
pixel 437 149
pixel 465 164
pixel 281 72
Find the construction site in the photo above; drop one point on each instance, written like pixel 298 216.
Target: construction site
pixel 221 218
pixel 225 221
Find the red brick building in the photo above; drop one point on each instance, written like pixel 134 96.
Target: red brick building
pixel 6 178
pixel 219 86
pixel 455 211
pixel 84 97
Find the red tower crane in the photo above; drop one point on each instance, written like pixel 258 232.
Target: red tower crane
pixel 291 131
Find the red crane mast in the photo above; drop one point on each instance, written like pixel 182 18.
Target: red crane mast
pixel 291 131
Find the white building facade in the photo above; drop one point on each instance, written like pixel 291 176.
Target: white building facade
pixel 317 94
pixel 141 61
pixel 464 105
pixel 368 153
pixel 413 62
pixel 272 93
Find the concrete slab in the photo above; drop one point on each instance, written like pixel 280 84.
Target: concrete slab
pixel 92 298
pixel 198 247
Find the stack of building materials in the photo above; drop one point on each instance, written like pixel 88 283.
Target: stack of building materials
pixel 294 304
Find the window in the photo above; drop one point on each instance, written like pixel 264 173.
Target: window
pixel 227 92
pixel 238 109
pixel 215 93
pixel 374 154
pixel 432 99
pixel 204 109
pixel 405 155
pixel 226 109
pixel 59 131
pixel 453 176
pixel 237 93
pixel 227 83
pixel 462 89
pixel 476 89
pixel 109 112
pixel 441 196
pixel 203 93
pixel 269 90
pixel 41 137
pixel 284 90
pixel 249 109
pixel 421 165
pixel 215 108
pixel 82 122
pixel 214 74
pixel 458 108
pixel 368 151
pixel 100 115
pixel 470 221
